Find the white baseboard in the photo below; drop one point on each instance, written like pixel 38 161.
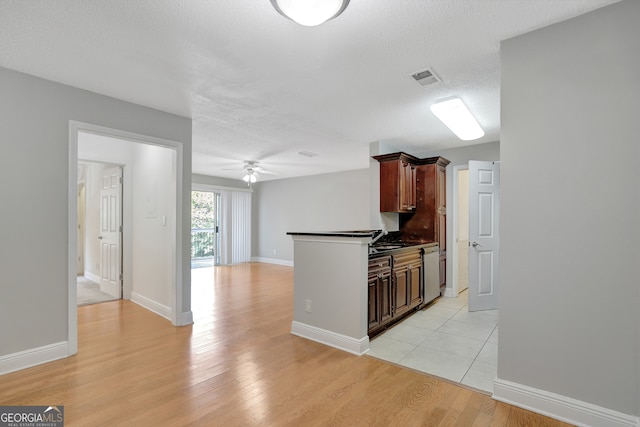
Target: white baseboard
pixel 272 261
pixel 449 293
pixel 111 289
pixel 151 305
pixel 107 288
pixel 560 407
pixel 184 319
pixel 32 357
pixel 332 339
pixel 93 277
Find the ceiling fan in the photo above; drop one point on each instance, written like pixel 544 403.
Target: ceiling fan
pixel 251 170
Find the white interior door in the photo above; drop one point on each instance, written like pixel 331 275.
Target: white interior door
pixel 111 232
pixel 484 210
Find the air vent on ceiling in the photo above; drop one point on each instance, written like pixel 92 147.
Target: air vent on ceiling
pixel 426 77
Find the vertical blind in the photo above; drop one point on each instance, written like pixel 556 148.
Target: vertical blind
pixel 236 227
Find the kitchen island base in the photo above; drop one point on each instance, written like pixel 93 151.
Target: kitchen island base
pixel 330 288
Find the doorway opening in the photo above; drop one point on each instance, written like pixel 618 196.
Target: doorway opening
pixel 155 203
pixel 476 200
pixel 460 257
pixel 462 240
pixel 99 237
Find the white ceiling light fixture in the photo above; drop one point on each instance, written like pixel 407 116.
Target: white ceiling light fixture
pixel 251 169
pixel 310 12
pixel 250 177
pixel 457 117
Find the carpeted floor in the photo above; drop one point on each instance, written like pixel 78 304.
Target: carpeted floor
pixel 89 292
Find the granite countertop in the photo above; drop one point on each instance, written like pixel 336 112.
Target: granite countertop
pixel 392 247
pixel 353 233
pixel 388 243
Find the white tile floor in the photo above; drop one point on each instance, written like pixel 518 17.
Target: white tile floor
pixel 445 340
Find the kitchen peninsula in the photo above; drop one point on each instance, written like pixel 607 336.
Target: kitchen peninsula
pixel 350 285
pixel 329 288
pixel 347 287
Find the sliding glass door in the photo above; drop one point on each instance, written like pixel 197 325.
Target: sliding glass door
pixel 205 229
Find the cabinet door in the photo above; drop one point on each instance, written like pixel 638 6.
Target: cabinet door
pixel 402 292
pixel 408 186
pixel 397 185
pixel 385 296
pixel 373 317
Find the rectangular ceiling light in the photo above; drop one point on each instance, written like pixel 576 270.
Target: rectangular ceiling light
pixel 455 115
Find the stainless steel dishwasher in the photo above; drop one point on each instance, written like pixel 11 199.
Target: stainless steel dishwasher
pixel 431 272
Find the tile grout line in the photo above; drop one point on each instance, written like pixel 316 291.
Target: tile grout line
pixel 483 346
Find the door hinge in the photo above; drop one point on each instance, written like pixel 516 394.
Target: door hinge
pixel 120 229
pixel 120 276
pixel 120 180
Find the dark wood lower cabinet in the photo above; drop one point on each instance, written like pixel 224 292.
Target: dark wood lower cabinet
pixel 380 295
pixel 396 287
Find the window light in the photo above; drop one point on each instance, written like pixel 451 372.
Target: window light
pixel 455 115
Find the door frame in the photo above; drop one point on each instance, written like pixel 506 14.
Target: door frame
pixel 76 127
pixel 455 262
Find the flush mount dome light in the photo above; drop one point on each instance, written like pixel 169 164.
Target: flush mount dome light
pixel 310 12
pixel 455 115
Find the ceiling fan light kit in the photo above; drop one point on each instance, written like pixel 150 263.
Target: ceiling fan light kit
pixel 250 177
pixel 310 12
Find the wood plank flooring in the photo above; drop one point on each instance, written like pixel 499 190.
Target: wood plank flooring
pixel 238 365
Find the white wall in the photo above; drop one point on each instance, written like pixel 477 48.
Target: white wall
pixel 34 183
pixel 335 201
pixel 570 258
pixel 153 225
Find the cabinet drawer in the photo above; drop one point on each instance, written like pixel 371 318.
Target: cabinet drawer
pixel 380 263
pixel 404 258
pixel 380 267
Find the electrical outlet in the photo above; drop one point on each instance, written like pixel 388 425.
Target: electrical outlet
pixel 307 305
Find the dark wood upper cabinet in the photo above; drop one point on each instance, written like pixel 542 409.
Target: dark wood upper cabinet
pixel 416 188
pixel 429 222
pixel 398 176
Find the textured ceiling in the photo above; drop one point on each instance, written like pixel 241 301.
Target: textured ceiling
pixel 260 87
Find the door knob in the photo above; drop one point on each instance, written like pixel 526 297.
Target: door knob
pixel 475 244
pixel 100 237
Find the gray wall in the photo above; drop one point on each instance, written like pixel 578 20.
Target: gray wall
pixel 570 266
pixel 335 201
pixel 34 181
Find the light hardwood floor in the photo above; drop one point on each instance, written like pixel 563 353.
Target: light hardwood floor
pixel 238 365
